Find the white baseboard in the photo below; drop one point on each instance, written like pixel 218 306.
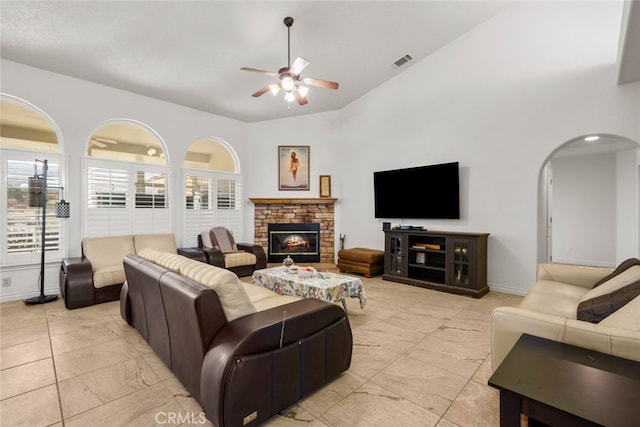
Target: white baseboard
pixel 508 290
pixel 25 295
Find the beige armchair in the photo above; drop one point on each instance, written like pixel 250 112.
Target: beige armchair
pixel 222 250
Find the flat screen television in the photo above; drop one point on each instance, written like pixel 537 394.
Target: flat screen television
pixel 424 192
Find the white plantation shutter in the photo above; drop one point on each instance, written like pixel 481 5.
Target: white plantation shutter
pixel 211 199
pixel 197 208
pixel 22 225
pixel 124 198
pixel 151 213
pixel 228 201
pixel 107 210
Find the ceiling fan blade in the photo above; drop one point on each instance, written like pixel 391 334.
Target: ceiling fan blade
pixel 98 143
pixel 298 65
pixel 105 140
pixel 320 83
pixel 260 92
pixel 257 70
pixel 301 99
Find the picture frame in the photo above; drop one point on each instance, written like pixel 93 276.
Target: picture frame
pixel 420 258
pixel 325 186
pixel 293 167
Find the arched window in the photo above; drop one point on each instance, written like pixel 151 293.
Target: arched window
pixel 28 137
pixel 212 190
pixel 127 185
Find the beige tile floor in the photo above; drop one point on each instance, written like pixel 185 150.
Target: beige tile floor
pixel 420 358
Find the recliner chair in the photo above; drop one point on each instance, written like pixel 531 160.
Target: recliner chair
pixel 221 250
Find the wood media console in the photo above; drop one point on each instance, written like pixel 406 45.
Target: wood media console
pixel 454 262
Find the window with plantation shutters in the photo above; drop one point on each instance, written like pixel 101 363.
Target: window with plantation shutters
pixel 124 198
pixel 211 199
pixel 21 223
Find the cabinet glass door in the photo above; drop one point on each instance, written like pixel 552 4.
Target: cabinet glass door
pixel 395 255
pixel 460 262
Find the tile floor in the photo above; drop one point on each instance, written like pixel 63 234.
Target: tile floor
pixel 420 358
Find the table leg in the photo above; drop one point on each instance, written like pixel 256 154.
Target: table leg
pixel 344 305
pixel 509 409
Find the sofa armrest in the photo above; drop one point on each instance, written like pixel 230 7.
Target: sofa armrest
pixel 214 256
pixel 578 275
pixel 76 282
pixel 508 323
pixel 258 251
pixel 251 371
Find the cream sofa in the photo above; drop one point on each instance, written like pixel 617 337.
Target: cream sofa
pixel 97 276
pixel 550 311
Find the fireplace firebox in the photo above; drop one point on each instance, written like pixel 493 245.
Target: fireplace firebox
pixel 299 241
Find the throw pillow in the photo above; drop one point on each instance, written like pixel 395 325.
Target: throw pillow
pixel 604 300
pixel 624 265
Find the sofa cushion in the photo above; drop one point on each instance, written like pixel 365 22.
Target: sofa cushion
pixel 626 317
pixel 624 265
pixel 205 236
pixel 263 298
pixel 160 242
pixel 238 259
pixel 106 255
pixel 233 298
pixel 557 298
pixel 108 275
pixel 222 238
pixel 169 261
pixel 604 300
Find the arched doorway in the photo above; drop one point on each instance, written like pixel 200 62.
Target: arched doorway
pixel 589 201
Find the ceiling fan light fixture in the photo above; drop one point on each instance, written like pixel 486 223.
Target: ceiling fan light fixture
pixel 303 91
pixel 289 97
pixel 287 83
pixel 274 88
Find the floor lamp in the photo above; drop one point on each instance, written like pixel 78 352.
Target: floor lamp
pixel 38 198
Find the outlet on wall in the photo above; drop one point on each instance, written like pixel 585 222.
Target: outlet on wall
pixel 6 282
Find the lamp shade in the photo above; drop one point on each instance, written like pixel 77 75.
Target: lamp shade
pixel 63 209
pixel 36 190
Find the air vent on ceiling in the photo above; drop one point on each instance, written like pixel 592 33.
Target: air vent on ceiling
pixel 400 62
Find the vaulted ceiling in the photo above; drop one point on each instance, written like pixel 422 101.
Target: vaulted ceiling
pixel 190 52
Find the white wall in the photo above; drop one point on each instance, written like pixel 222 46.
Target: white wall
pixel 584 207
pixel 78 107
pixel 627 197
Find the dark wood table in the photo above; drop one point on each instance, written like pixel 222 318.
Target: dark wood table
pixel 562 385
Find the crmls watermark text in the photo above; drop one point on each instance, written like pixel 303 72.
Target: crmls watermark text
pixel 177 418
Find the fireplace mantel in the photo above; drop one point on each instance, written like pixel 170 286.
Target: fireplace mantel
pixel 300 201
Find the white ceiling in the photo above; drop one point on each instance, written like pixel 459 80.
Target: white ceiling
pixel 190 52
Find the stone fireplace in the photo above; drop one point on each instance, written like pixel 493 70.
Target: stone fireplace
pixel 318 211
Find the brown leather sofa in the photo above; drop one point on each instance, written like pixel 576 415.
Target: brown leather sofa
pixel 242 368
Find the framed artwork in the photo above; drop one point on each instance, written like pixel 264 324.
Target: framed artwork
pixel 293 167
pixel 325 185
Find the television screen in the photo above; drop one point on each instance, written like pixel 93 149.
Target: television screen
pixel 424 192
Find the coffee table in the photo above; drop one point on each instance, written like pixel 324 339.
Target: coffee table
pixel 330 287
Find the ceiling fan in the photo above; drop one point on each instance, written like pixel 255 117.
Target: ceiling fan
pixel 290 79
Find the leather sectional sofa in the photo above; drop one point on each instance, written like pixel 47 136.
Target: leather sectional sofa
pixel 590 307
pixel 242 351
pixel 98 275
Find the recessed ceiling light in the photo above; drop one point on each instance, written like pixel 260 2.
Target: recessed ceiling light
pixel 592 138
